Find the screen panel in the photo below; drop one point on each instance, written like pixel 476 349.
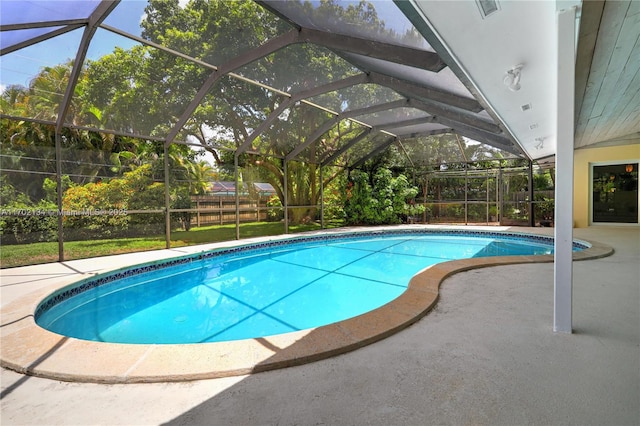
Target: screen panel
pixel 35 78
pixel 375 20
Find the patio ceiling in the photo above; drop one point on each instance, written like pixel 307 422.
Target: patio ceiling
pixel 608 74
pixel 481 49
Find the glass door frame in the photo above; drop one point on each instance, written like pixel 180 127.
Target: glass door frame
pixel 636 162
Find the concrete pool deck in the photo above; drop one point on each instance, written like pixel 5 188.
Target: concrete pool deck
pixel 485 354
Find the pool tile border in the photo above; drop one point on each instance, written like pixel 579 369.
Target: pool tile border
pixel 29 349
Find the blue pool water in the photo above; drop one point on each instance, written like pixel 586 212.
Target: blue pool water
pixel 262 291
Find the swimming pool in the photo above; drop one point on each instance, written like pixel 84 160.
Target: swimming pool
pixel 263 289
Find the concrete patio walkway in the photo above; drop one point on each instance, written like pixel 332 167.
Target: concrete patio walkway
pixel 485 355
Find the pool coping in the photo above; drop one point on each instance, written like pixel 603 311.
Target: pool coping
pixel 30 349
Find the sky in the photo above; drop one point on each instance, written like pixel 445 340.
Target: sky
pixel 21 66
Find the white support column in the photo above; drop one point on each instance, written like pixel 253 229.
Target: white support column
pixel 563 257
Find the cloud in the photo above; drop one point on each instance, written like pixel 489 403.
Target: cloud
pixel 181 3
pixel 3 87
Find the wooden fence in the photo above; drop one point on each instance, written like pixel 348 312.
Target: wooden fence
pixel 218 210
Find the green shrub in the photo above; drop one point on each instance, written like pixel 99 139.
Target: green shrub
pixel 23 221
pixel 385 200
pixel 334 201
pixel 102 209
pixel 544 208
pixel 180 199
pixel 275 211
pixel 96 209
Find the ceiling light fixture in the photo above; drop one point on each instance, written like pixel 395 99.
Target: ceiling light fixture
pixel 540 143
pixel 512 78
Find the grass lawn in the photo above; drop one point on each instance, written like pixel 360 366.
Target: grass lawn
pixel 31 254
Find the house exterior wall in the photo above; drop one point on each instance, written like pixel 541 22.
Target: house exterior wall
pixel 582 159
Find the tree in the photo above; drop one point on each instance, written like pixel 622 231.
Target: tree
pixel 217 31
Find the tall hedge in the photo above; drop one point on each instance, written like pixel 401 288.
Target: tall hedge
pixel 380 200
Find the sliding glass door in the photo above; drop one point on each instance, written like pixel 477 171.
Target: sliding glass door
pixel 615 193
